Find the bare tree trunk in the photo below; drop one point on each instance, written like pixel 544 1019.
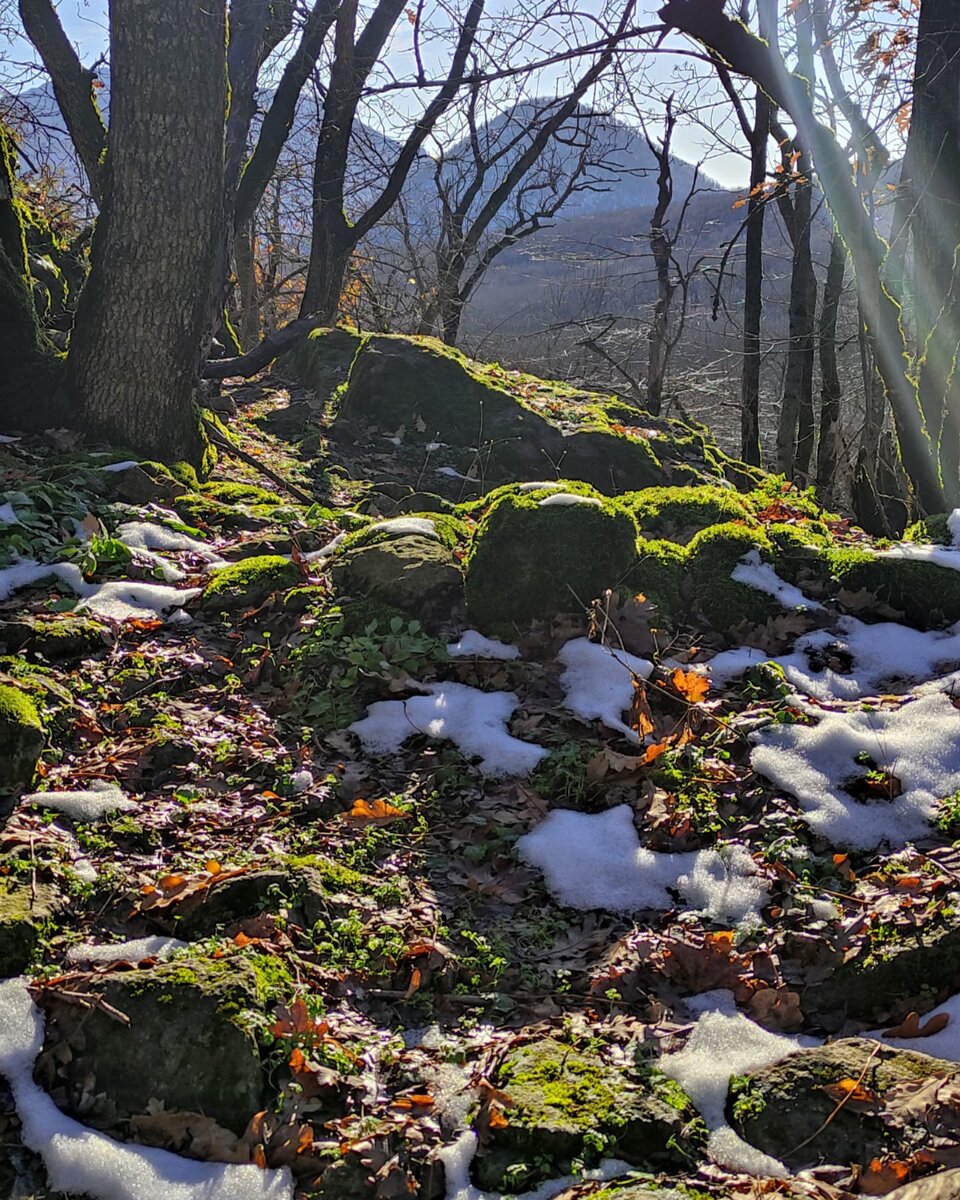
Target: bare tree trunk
pixel 828 450
pixel 135 357
pixel 749 55
pixel 72 86
pixel 661 250
pixel 795 429
pixel 248 317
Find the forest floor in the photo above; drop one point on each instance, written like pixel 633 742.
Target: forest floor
pixel 433 988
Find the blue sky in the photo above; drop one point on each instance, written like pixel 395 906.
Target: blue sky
pixel 86 24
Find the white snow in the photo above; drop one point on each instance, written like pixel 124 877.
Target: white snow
pixel 596 861
pixel 81 1161
pixel 475 720
pixel 325 551
pixel 953 524
pixel 945 1044
pixel 761 576
pixel 121 466
pixel 5 440
pixel 8 516
pixel 401 526
pixel 300 781
pixel 99 800
pixel 453 473
pixel 886 658
pixel 725 1043
pixel 118 599
pixel 565 499
pixel 539 485
pixel 474 645
pixel 143 535
pixel 940 556
pixel 919 743
pixel 127 599
pixel 458 1156
pixel 131 951
pixel 598 682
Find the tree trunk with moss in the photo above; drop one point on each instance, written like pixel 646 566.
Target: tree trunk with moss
pixel 135 355
pixel 29 368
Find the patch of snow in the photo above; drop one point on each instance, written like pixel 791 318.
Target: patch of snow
pixel 143 535
pixel 945 1044
pixel 761 576
pixel 453 473
pixel 82 1161
pixel 121 466
pixel 953 525
pixel 85 871
pixel 918 742
pixel 118 599
pixel 8 516
pixel 130 951
pixel 722 1044
pixel 401 526
pixel 6 440
pixel 598 682
pixel 324 551
pixel 458 1156
pixel 540 485
pixel 27 571
pixel 595 860
pixel 885 658
pixel 940 556
pixel 474 645
pixel 728 664
pixel 431 446
pixel 99 800
pixel 300 781
pixel 127 599
pixel 475 720
pixel 565 499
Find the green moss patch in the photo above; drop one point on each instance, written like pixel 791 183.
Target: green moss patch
pixel 532 558
pixel 21 738
pixel 248 583
pixel 677 513
pixel 711 558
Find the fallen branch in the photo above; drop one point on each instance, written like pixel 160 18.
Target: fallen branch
pixel 229 448
pixel 275 344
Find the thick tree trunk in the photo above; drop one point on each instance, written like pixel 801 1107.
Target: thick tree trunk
pixel 135 356
pixel 828 450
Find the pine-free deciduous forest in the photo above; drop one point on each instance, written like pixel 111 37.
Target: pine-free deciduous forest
pixel 479 599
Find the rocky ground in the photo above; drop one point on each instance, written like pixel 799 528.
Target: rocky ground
pixel 635 875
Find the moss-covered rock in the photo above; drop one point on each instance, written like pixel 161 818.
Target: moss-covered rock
pixel 248 583
pixel 928 595
pixel 187 1045
pixel 323 359
pixel 932 529
pixel 712 556
pixel 785 1110
pixel 677 513
pixel 411 572
pixel 230 492
pixel 613 461
pixel 534 556
pixel 884 981
pixel 146 483
pixel 659 576
pixel 569 1105
pixel 24 910
pixel 55 635
pixel 21 738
